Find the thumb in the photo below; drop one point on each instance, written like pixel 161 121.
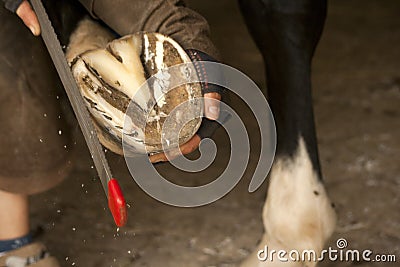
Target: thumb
pixel 211 105
pixel 28 16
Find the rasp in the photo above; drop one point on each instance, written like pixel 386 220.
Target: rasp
pixel 116 200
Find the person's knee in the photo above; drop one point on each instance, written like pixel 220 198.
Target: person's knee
pixel 35 138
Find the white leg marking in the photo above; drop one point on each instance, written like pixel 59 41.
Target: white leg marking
pixel 87 36
pixel 297 214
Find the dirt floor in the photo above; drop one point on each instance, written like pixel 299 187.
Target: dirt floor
pixel 357 103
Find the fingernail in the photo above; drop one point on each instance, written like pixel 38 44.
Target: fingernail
pixel 213 112
pixel 33 30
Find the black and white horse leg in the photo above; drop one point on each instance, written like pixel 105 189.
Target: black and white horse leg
pixel 297 213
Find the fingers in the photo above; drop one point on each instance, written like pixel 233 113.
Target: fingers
pixel 211 105
pixel 186 148
pixel 190 145
pixel 211 111
pixel 28 16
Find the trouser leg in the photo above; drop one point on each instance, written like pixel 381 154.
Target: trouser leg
pixel 34 136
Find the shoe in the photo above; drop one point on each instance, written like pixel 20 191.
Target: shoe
pixel 32 255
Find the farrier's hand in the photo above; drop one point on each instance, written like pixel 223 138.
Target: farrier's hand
pixel 28 16
pixel 211 111
pixel 24 10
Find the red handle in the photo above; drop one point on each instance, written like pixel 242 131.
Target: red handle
pixel 116 203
